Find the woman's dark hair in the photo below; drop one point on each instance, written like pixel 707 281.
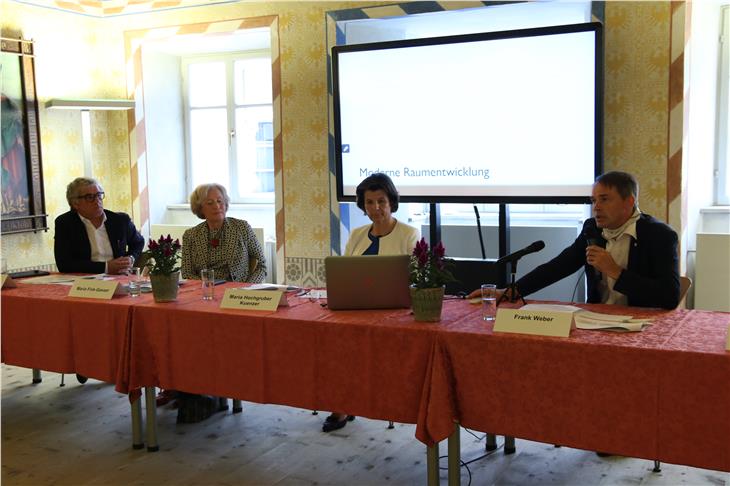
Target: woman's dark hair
pixel 377 182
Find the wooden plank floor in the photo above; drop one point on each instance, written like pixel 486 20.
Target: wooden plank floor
pixel 81 434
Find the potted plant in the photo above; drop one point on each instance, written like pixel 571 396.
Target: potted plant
pixel 429 276
pixel 163 258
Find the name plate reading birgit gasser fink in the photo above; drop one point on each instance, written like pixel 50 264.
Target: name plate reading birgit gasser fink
pixel 260 300
pixel 535 322
pixel 93 289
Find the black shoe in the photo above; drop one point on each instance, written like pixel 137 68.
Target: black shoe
pixel 329 426
pixel 81 378
pixel 603 454
pixel 333 418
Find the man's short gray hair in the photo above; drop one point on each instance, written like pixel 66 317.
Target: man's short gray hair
pixel 200 194
pixel 73 190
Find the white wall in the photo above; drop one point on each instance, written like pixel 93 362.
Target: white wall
pixel 164 126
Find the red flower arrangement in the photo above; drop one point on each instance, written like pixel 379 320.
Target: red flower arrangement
pixel 428 267
pixel 163 256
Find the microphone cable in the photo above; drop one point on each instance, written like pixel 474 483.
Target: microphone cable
pixel 575 289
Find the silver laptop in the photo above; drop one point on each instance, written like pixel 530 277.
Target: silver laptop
pixel 367 282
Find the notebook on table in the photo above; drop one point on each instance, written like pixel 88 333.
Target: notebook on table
pixel 367 282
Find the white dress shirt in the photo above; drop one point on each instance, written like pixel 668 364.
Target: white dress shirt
pixel 101 247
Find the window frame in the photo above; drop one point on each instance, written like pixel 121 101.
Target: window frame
pixel 722 158
pixel 229 59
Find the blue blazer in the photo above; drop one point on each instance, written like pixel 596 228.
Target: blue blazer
pixel 651 278
pixel 72 248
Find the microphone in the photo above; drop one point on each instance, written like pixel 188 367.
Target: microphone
pixel 594 236
pixel 532 248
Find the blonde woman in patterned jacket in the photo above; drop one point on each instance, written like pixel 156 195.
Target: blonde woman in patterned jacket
pixel 227 245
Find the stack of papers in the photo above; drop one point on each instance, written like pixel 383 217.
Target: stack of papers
pixel 594 320
pixel 271 286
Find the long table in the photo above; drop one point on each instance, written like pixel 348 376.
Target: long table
pixel 661 394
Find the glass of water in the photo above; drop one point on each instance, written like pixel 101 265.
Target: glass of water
pixel 489 302
pixel 207 277
pixel 135 281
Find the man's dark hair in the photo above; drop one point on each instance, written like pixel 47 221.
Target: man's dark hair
pixel 624 183
pixel 377 182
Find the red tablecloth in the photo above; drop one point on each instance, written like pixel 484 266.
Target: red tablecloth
pixel 43 328
pixel 663 393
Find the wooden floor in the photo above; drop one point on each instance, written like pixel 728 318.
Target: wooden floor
pixel 81 434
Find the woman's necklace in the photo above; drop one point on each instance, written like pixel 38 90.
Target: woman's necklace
pixel 215 239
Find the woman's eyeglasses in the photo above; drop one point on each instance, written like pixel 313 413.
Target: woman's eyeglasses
pixel 92 197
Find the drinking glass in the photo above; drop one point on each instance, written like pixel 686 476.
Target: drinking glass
pixel 207 277
pixel 135 281
pixel 489 302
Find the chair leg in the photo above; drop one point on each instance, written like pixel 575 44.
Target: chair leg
pixel 37 376
pixel 314 412
pixel 390 424
pixel 62 380
pixel 657 467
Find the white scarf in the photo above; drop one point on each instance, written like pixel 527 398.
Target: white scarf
pixel 614 234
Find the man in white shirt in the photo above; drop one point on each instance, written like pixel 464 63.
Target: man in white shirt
pixel 90 239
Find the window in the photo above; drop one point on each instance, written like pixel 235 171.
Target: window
pixel 229 123
pixel 722 174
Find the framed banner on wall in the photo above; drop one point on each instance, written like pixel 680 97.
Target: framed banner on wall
pixel 23 203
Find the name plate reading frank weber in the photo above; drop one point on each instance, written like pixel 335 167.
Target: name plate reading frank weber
pixel 93 289
pixel 260 300
pixel 537 323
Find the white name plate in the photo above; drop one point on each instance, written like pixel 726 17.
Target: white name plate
pixel 262 300
pixel 93 289
pixel 535 322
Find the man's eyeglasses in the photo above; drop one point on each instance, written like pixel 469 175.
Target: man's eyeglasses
pixel 92 197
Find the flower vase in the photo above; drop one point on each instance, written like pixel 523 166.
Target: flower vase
pixel 427 303
pixel 164 287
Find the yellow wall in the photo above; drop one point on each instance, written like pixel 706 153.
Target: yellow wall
pixel 79 56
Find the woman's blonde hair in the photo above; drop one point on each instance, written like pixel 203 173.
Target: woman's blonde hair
pixel 200 194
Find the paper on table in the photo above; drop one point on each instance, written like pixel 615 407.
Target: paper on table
pixel 593 320
pixel 58 278
pixel 271 286
pixel 551 307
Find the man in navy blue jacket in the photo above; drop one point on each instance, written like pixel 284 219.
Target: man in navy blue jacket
pixel 90 239
pixel 630 258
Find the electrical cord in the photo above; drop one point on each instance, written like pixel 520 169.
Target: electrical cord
pixel 575 289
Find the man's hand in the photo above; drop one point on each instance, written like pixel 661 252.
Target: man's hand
pixel 477 294
pixel 602 261
pixel 120 265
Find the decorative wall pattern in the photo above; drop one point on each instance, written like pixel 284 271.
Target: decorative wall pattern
pixel 636 97
pixel 83 56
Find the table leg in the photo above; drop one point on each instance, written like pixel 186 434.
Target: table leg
pixel 150 402
pixel 137 442
pixel 491 444
pixel 37 375
pixel 432 464
pixel 455 456
pixel 509 445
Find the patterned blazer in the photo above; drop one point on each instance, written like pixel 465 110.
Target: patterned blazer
pixel 228 252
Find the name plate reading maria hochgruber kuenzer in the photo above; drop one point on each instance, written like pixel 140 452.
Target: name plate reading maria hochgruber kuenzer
pixel 535 322
pixel 259 300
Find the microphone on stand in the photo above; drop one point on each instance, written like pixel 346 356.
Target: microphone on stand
pixel 512 258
